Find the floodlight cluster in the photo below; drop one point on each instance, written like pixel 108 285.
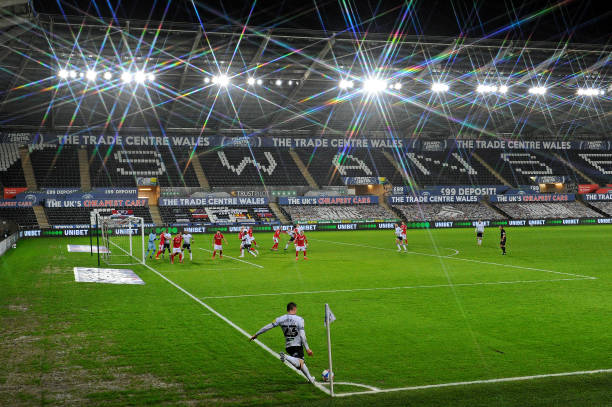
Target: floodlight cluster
pixel 374 85
pixel 92 75
pixel 491 89
pixel 537 90
pixel 589 92
pixel 439 87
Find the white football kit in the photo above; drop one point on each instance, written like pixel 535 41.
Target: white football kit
pixel 398 232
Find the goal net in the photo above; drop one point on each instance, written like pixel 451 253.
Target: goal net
pixel 123 236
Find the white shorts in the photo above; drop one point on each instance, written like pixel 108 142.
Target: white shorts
pixel 218 247
pixel 275 239
pixel 300 248
pixel 176 250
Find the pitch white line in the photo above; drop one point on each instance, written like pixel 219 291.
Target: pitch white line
pixel 461 259
pixel 347 290
pixel 501 380
pixel 233 258
pixel 365 386
pixel 455 250
pixel 230 323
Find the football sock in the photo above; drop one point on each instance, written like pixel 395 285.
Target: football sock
pixel 398 247
pixel 404 247
pixel 294 361
pixel 306 372
pixel 254 255
pixel 241 252
pixel 191 255
pixel 214 252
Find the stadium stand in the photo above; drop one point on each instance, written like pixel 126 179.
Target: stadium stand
pixel 121 166
pixel 327 165
pixel 55 166
pixel 603 206
pixel 81 216
pixel 539 210
pixel 21 216
pixel 594 164
pixel 219 214
pixel 300 213
pixel 11 172
pixel 518 166
pixel 238 166
pixel 450 167
pixel 435 212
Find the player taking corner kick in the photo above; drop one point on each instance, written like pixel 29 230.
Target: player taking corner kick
pixel 295 339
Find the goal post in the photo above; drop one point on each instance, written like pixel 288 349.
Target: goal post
pixel 123 239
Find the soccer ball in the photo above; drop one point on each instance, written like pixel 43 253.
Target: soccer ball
pixel 325 375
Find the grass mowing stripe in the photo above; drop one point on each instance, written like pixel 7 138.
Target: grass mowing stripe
pixel 487 381
pixel 233 258
pixel 346 290
pixel 462 259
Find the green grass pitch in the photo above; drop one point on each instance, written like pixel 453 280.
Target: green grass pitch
pixel 445 312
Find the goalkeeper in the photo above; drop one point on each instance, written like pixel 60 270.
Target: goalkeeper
pixel 151 245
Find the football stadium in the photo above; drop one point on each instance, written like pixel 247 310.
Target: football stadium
pixel 319 203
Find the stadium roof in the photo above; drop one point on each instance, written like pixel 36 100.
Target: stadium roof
pixel 300 72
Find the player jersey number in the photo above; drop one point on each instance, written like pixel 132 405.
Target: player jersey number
pixel 290 331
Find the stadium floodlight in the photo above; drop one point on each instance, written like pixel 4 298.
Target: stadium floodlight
pixel 221 80
pixel 278 82
pixel 589 92
pixel 126 77
pixel 486 89
pixel 63 73
pixel 345 84
pixel 72 74
pixel 251 81
pixel 374 85
pixel 503 89
pixel 140 77
pixel 206 80
pixel 537 90
pixel 259 82
pixel 439 87
pixel 150 77
pixel 397 86
pixel 91 75
pixel 108 76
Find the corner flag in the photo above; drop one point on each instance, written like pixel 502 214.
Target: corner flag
pixel 329 315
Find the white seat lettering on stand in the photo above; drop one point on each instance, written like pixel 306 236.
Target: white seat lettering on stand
pixel 138 157
pixel 600 159
pixel 248 160
pixel 526 159
pixel 358 164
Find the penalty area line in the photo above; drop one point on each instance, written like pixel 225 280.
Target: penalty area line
pixel 470 383
pixel 348 290
pixel 462 259
pixel 233 258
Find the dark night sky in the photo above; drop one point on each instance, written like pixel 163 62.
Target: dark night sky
pixel 578 21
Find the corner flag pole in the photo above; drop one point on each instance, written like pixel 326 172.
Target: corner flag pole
pixel 328 322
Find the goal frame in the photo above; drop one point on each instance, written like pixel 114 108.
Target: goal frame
pixel 132 228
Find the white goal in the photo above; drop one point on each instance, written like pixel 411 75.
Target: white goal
pixel 123 236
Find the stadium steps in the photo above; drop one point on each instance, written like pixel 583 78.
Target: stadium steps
pixel 199 172
pixel 592 207
pixel 41 216
pixel 155 215
pixel 84 170
pixel 385 205
pixel 576 170
pixel 495 208
pixel 28 171
pixel 303 169
pixel 398 213
pixel 405 176
pixel 279 214
pixel 491 169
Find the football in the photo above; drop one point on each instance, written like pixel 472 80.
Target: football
pixel 325 375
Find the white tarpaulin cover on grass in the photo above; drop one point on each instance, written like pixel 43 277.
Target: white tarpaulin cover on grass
pixel 110 276
pixel 84 248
